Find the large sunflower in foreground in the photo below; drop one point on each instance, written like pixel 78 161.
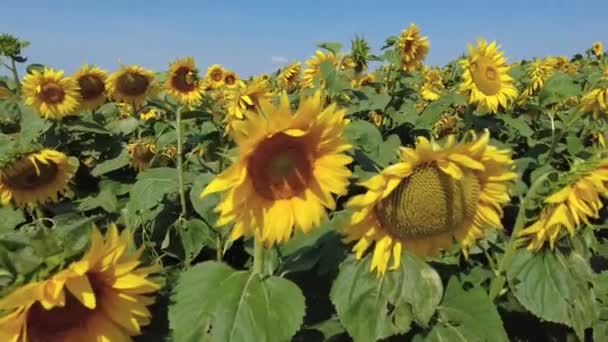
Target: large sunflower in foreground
pixel 35 178
pixel 574 204
pixel 183 82
pixel 596 102
pixel 141 152
pixel 131 84
pixel 91 81
pixel 289 78
pixel 433 195
pixel 486 79
pixel 288 167
pixel 313 67
pixel 412 48
pixel 102 297
pixel 53 95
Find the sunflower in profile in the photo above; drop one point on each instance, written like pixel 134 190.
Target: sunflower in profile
pixel 183 82
pixel 412 48
pixel 596 103
pixel 131 84
pixel 91 81
pixel 53 95
pixel 486 77
pixel 448 124
pixel 35 178
pixel 433 195
pixel 597 49
pixel 578 200
pixel 362 80
pixel 289 78
pixel 248 98
pixel 432 87
pixel 216 76
pixel 102 297
pixel 141 152
pixel 313 67
pixel 538 72
pixel 288 167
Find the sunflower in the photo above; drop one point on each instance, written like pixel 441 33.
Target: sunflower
pixel 448 124
pixel 433 195
pixel 183 82
pixel 575 203
pixel 313 67
pixel 486 77
pixel 248 98
pixel 597 49
pixel 562 63
pixel 377 117
pixel 289 78
pixel 91 81
pixel 347 63
pixel 538 72
pixel 433 87
pixel 412 48
pixel 35 178
pixel 102 297
pixel 231 79
pixel 215 76
pixel 141 152
pixel 595 102
pixel 53 95
pixel 131 84
pixel 286 171
pixel 149 113
pixel 363 80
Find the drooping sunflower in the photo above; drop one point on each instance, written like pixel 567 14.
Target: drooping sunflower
pixel 313 67
pixel 596 103
pixel 289 78
pixel 433 195
pixel 131 84
pixel 215 76
pixel 141 152
pixel 597 49
pixel 287 169
pixel 231 79
pixel 91 81
pixel 183 82
pixel 412 48
pixel 486 77
pixel 53 95
pixel 432 87
pixel 102 297
pixel 538 72
pixel 571 206
pixel 248 98
pixel 35 178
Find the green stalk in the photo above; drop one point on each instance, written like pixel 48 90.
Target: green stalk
pixel 258 255
pixel 15 77
pixel 180 165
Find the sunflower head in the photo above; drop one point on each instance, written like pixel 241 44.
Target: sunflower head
pixel 538 72
pixel 448 124
pixel 363 80
pixel 313 67
pixel 596 103
pixel 231 79
pixel 216 76
pixel 412 48
pixel 597 49
pixel 248 98
pixel 35 178
pixel 149 113
pixel 289 77
pixel 348 62
pixel 91 81
pixel 360 51
pixel 432 196
pixel 288 167
pixel 141 152
pixel 432 87
pixel 486 79
pixel 131 84
pixel 183 82
pixel 51 93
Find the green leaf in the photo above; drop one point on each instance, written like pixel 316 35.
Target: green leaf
pixel 331 46
pixel 213 302
pixel 372 308
pixel 518 124
pixel 151 187
pixel 105 199
pixel 32 125
pixel 436 109
pixel 205 207
pixel 466 316
pixel 113 164
pixel 11 218
pixel 574 144
pixel 559 87
pixel 195 235
pixel 554 287
pixel 123 126
pixel 82 126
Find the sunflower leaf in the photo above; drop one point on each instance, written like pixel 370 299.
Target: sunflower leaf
pixel 113 164
pixel 213 302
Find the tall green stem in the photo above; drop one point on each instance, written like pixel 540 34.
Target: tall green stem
pixel 16 77
pixel 180 164
pixel 258 255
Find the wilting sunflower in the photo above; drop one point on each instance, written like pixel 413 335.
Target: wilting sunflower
pixel 596 102
pixel 289 78
pixel 433 195
pixel 141 152
pixel 248 98
pixel 215 76
pixel 574 204
pixel 183 82
pixel 362 80
pixel 231 79
pixel 35 178
pixel 486 77
pixel 91 81
pixel 412 48
pixel 102 297
pixel 597 49
pixel 131 84
pixel 433 87
pixel 288 167
pixel 313 67
pixel 449 123
pixel 53 95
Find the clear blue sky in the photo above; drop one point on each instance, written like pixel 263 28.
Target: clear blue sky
pixel 255 36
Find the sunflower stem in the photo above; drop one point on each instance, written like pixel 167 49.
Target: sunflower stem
pixel 15 76
pixel 258 255
pixel 180 164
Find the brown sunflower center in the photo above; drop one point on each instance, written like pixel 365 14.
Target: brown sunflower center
pixel 429 202
pixel 52 93
pixel 280 167
pixel 133 84
pixel 143 153
pixel 486 76
pixel 23 175
pixel 217 75
pixel 184 79
pixel 91 86
pixel 230 79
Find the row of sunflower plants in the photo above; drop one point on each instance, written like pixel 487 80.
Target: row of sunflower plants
pixel 329 201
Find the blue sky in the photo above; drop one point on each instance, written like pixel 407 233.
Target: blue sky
pixel 257 36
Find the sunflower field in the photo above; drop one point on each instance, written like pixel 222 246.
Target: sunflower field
pixel 357 196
